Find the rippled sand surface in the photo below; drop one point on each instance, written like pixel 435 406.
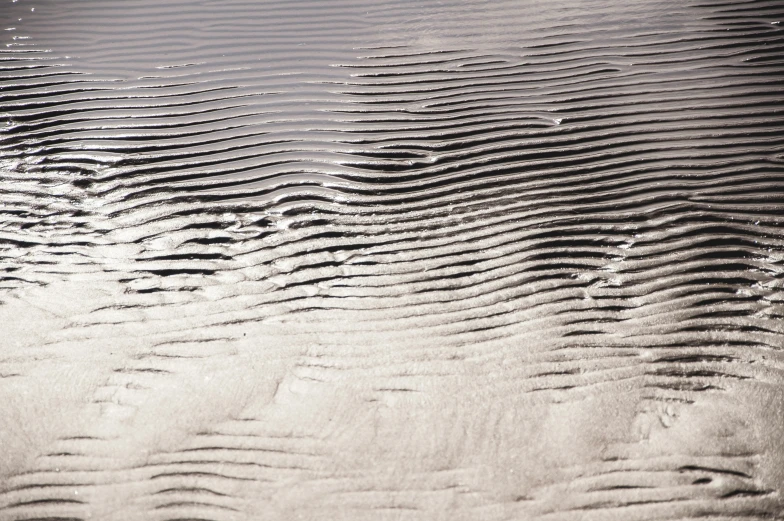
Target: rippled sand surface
pixel 389 260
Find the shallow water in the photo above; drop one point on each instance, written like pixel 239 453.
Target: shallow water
pixel 378 260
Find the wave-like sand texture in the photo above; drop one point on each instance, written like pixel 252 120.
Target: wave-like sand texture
pixel 453 260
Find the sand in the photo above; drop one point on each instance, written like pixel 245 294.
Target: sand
pixel 440 260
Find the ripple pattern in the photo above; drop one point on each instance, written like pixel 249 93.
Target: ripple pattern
pixel 508 261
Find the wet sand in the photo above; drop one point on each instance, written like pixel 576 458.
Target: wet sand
pixel 435 260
